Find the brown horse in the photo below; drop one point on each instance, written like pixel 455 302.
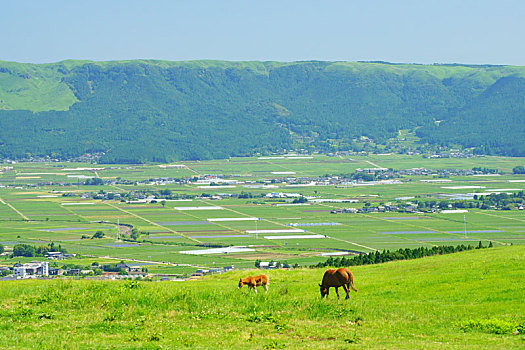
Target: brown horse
pixel 337 278
pixel 255 281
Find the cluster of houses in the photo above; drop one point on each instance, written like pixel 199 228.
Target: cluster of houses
pixel 59 255
pixel 344 211
pixel 41 269
pixel 409 208
pixel 282 195
pixel 214 270
pixel 376 209
pixel 265 265
pixel 38 269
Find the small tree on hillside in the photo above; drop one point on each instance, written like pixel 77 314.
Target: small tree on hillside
pixel 518 170
pixel 98 234
pixel 135 234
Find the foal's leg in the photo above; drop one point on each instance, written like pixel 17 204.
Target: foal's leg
pixel 254 289
pixel 265 287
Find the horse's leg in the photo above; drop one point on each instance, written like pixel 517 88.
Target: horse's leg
pixel 337 292
pixel 265 287
pixel 255 289
pixel 347 289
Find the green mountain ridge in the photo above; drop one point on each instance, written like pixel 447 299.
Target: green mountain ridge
pixel 153 110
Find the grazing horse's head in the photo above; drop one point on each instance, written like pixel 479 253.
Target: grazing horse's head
pixel 240 284
pixel 324 291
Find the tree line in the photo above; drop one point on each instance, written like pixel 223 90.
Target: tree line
pixel 28 250
pixel 401 254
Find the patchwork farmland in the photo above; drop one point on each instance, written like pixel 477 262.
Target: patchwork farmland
pixel 294 209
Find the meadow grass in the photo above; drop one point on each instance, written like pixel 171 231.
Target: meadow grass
pixel 472 300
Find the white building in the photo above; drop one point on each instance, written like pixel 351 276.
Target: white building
pixel 31 269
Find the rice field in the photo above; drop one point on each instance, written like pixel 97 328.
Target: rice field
pixel 42 203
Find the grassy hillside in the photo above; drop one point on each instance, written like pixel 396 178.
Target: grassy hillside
pixel 461 300
pixel 34 87
pixel 147 110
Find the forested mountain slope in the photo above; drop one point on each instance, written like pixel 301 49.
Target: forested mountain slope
pixel 137 111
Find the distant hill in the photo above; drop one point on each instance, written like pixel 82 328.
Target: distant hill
pixel 138 111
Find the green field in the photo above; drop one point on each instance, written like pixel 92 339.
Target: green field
pixel 468 300
pixel 42 203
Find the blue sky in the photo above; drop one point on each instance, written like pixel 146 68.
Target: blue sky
pixel 424 31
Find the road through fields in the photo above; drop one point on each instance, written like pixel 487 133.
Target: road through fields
pixel 16 210
pixel 153 223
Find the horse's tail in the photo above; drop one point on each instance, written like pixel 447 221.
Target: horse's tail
pixel 352 280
